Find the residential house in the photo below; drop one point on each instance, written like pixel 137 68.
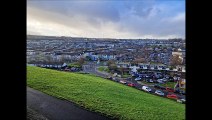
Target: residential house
pixel 123 64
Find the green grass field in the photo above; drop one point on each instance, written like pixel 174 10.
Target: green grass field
pixel 169 84
pixel 103 69
pixel 126 75
pixel 107 97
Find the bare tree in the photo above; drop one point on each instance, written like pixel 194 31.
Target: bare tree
pixel 62 58
pixel 121 70
pixel 81 61
pixel 176 60
pixel 110 62
pixel 49 59
pixel 112 67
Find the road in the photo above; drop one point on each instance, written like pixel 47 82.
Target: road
pixel 57 109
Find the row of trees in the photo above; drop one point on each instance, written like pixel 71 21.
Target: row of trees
pixel 48 59
pixel 113 67
pixel 77 64
pixel 174 61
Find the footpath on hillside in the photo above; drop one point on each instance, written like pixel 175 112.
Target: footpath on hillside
pixel 33 115
pixel 56 109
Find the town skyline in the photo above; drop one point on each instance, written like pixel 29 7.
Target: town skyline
pixel 89 38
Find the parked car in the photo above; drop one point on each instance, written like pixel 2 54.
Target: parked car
pixel 167 77
pixel 182 92
pixel 177 91
pixel 164 80
pixel 131 84
pixel 110 78
pixel 66 69
pixel 171 79
pixel 115 80
pixel 181 100
pixel 118 75
pixel 147 76
pixel 145 88
pixel 160 81
pixel 150 81
pixel 123 82
pixel 138 78
pixel 158 92
pixel 172 96
pixel 175 79
pixel 135 75
pixel 169 89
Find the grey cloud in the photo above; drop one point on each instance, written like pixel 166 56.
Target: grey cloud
pixel 142 8
pixel 99 10
pixel 154 26
pixel 137 18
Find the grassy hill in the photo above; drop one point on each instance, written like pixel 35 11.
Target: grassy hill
pixel 104 96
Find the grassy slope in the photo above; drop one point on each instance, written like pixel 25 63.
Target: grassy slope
pixel 104 96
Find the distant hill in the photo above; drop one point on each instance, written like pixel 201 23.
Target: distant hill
pixel 30 37
pixel 104 96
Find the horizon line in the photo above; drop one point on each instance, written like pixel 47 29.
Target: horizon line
pixel 102 37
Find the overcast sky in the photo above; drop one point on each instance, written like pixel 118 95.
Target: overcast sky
pixel 108 18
